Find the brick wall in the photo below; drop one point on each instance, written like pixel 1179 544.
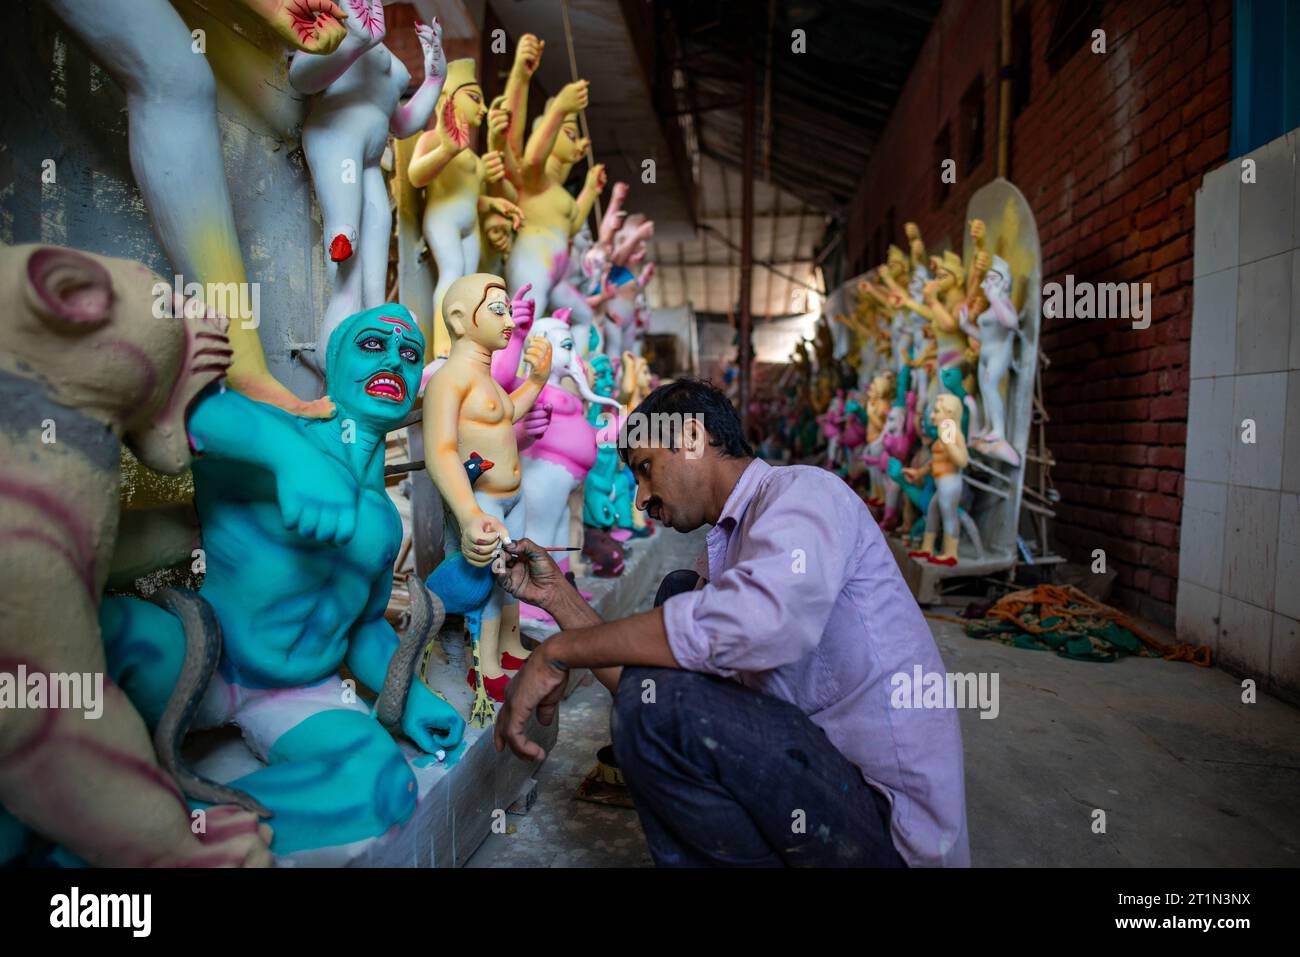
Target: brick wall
pixel 1109 150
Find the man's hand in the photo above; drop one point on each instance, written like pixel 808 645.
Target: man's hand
pixel 479 537
pixel 529 573
pixel 538 686
pixel 537 353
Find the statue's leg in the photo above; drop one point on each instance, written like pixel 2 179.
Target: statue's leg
pixel 470 248
pixel 376 229
pixel 329 151
pixel 511 512
pixel 176 157
pixel 531 261
pixel 447 250
pixel 333 774
pixel 948 495
pixel 145 649
pixel 991 392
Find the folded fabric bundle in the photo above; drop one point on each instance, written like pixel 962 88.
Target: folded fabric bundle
pixel 1074 625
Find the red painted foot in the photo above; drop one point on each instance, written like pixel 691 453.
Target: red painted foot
pixel 510 663
pixel 496 687
pixel 941 561
pixel 340 248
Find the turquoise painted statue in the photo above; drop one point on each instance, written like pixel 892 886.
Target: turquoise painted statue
pixel 299 541
pixel 598 487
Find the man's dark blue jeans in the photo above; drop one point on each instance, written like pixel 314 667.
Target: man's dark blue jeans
pixel 722 775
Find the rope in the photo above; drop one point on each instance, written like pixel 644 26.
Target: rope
pixel 582 114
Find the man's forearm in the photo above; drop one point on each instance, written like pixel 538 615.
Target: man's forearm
pixel 571 611
pixel 606 647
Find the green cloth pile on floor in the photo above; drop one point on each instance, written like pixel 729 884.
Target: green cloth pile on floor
pixel 1074 625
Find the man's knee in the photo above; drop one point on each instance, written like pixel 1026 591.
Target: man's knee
pixel 652 706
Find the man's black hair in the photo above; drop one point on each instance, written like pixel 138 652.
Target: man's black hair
pixel 698 397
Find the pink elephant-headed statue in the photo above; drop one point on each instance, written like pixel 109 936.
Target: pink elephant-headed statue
pixel 832 425
pixel 557 460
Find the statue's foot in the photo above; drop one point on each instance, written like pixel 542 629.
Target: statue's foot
pixel 341 248
pixel 936 560
pixel 510 663
pixel 918 553
pixel 495 687
pixel 263 388
pixel 998 448
pixel 314 26
pixel 481 714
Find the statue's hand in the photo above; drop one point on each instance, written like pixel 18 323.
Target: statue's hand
pixel 573 97
pixel 435 60
pixel 503 207
pixel 313 26
pixel 498 120
pixel 537 353
pixel 430 721
pixel 522 308
pixel 536 420
pixel 983 260
pixel 318 500
pixel 528 54
pixel 233 837
pixel 479 538
pixel 977 229
pixel 494 167
pixel 366 21
pixel 619 194
pixel 596 177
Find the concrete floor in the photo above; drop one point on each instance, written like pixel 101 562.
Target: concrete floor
pixel 1186 774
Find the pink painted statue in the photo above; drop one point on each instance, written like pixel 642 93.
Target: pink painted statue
pixel 555 462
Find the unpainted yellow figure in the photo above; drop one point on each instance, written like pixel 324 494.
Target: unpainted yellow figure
pixel 467 412
pixel 455 177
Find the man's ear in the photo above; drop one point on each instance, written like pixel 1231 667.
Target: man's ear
pixel 694 437
pixel 68 289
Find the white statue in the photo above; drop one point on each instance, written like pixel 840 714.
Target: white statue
pixel 360 86
pixel 995 329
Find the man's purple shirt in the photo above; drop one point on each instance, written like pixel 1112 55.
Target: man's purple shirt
pixel 805 603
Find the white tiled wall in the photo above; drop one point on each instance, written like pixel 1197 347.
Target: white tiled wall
pixel 1239 562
